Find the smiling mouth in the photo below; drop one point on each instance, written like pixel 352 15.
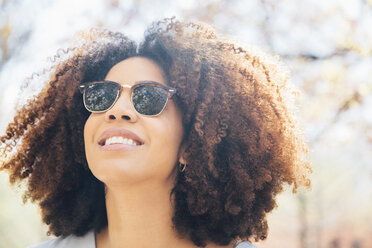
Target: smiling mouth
pixel 119 140
pixel 117 143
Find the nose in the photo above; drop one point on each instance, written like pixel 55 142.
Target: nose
pixel 123 109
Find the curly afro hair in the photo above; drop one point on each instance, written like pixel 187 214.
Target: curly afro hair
pixel 243 141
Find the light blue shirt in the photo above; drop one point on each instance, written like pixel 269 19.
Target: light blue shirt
pixel 88 241
pixel 71 241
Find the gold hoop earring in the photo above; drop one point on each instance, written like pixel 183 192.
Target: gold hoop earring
pixel 182 167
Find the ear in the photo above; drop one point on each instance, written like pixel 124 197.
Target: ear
pixel 182 160
pixel 181 154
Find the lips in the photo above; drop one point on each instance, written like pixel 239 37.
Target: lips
pixel 119 132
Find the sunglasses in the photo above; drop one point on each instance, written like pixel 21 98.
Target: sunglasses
pixel 148 98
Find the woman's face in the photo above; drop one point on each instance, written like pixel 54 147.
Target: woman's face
pixel 155 160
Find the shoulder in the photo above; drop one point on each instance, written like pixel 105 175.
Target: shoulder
pixel 71 241
pixel 241 244
pixel 244 244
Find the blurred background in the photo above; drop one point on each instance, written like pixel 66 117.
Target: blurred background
pixel 327 45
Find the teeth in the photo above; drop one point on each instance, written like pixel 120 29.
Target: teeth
pixel 119 140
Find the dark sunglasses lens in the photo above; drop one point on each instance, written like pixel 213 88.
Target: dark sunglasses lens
pixel 149 100
pixel 100 96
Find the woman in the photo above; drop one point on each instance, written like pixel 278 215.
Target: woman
pixel 183 141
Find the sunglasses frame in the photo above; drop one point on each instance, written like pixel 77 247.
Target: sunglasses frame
pixel 170 92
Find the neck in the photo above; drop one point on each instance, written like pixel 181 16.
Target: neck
pixel 139 217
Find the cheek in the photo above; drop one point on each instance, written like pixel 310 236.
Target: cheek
pixel 88 127
pixel 167 141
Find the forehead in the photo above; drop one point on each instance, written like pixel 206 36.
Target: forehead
pixel 136 69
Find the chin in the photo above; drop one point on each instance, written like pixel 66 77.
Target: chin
pixel 119 172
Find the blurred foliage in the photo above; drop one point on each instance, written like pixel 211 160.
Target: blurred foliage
pixel 327 45
pixel 4 34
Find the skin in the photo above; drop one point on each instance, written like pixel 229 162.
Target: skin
pixel 138 182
